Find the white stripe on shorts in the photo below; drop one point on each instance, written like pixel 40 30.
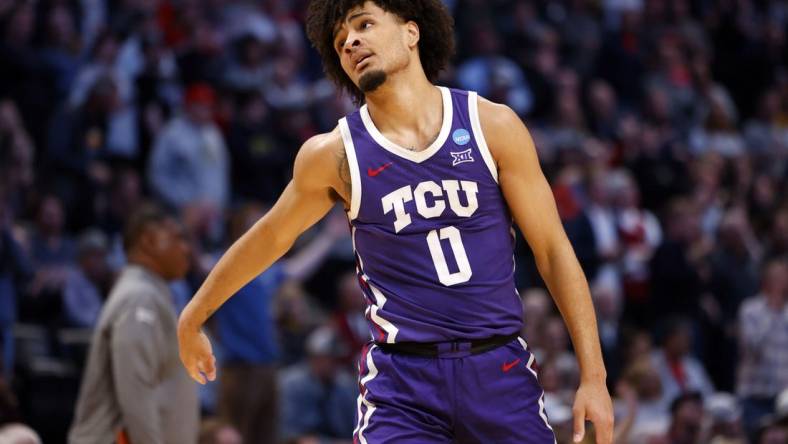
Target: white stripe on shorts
pixel 363 420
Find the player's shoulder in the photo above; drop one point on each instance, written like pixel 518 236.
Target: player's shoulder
pixel 496 116
pixel 320 149
pixel 503 129
pixel 322 161
pixel 322 145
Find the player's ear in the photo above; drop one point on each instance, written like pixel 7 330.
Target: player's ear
pixel 413 34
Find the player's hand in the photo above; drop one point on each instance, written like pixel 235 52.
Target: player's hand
pixel 593 403
pixel 196 354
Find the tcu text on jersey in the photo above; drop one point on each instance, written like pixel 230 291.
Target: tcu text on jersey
pixel 396 200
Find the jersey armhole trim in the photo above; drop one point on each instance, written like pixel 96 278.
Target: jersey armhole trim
pixel 355 178
pixel 476 125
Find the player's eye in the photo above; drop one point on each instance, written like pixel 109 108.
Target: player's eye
pixel 366 24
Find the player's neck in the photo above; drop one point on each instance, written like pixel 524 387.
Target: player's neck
pixel 404 103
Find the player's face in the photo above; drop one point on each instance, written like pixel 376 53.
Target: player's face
pixel 372 44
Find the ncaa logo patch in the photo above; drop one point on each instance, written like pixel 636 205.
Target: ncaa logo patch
pixel 461 157
pixel 461 137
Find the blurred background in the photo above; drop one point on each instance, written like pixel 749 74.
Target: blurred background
pixel 662 126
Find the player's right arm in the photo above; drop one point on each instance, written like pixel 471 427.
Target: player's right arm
pixel 320 178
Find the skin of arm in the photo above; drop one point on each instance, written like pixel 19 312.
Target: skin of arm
pixel 532 205
pixel 311 193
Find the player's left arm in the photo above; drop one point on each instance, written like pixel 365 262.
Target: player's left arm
pixel 532 205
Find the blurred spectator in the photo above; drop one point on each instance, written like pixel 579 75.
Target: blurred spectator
pixel 296 318
pixel 733 278
pixel 679 371
pixel 12 431
pixel 492 75
pixel 52 251
pixel 724 414
pixel 603 116
pixel 555 352
pixel 288 91
pixel 214 431
pixel 718 133
pixel 155 72
pixel 772 434
pixel 199 42
pixel 639 408
pixel 17 156
pixel 608 303
pixel 622 60
pixel 86 284
pixel 349 320
pixel 778 237
pixel 61 48
pixel 318 399
pixel 119 133
pixel 125 195
pixel 249 72
pixel 18 434
pixel 687 417
pixel 763 326
pixel 102 63
pixel 537 308
pixel 640 234
pixel 22 75
pixel 79 151
pixel 134 381
pixel 15 273
pixel 260 161
pixel 603 222
pixel 50 243
pixel 765 132
pixel 677 282
pixel 189 164
pixel 247 332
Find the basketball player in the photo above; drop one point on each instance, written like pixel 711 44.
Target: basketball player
pixel 432 180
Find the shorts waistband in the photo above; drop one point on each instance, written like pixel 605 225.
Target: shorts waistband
pixel 451 349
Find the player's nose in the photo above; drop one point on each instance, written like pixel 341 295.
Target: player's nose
pixel 352 44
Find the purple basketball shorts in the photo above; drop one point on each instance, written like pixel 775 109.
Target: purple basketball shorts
pixel 490 397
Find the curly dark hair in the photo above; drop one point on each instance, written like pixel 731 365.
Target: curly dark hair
pixel 436 42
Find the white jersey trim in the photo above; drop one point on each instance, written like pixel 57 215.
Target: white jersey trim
pixel 476 125
pixel 363 419
pixel 352 160
pixel 529 365
pixel 414 156
pixel 380 300
pixel 388 327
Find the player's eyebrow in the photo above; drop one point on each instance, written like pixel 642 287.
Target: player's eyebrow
pixel 349 19
pixel 357 15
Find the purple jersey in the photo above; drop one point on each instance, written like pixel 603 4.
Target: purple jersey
pixel 431 231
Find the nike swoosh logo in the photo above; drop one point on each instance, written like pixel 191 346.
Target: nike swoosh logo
pixel 375 172
pixel 506 367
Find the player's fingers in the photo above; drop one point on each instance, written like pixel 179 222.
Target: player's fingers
pixel 604 429
pixel 195 374
pixel 210 368
pixel 579 414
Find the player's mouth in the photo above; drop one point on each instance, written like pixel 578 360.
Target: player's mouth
pixel 363 62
